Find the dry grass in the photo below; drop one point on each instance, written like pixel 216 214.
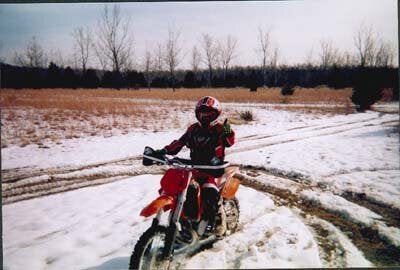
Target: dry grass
pixel 29 115
pixel 113 101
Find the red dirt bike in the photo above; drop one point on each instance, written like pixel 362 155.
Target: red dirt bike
pixel 180 196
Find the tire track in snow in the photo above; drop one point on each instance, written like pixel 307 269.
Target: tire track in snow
pixel 375 248
pixel 13 175
pixel 29 188
pixel 390 215
pixel 257 145
pixel 311 128
pixel 330 251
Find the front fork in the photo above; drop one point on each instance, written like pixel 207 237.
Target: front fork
pixel 174 224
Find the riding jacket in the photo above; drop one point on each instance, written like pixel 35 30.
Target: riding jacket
pixel 204 143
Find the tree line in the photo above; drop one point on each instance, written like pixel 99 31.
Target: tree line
pixel 303 76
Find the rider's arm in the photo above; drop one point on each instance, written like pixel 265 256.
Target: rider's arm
pixel 176 146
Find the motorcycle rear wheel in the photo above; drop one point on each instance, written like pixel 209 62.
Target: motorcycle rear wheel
pixel 149 249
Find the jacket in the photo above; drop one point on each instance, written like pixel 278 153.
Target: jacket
pixel 204 143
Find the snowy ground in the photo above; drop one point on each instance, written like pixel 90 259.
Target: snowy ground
pixel 326 189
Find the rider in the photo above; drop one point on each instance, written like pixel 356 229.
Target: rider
pixel 206 140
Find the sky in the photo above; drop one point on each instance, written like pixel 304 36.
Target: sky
pixel 297 27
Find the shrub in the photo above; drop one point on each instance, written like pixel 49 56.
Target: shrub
pixel 247 116
pixel 287 90
pixel 366 90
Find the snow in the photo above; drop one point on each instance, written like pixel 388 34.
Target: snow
pixel 318 157
pixel 89 150
pixel 274 239
pixel 344 146
pixel 77 229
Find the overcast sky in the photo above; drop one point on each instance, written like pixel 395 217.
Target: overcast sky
pixel 296 26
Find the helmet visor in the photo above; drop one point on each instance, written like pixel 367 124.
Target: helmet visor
pixel 206 115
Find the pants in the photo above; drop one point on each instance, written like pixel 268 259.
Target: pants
pixel 210 195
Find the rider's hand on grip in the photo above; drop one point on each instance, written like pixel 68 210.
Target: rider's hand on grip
pixel 148 151
pixel 160 153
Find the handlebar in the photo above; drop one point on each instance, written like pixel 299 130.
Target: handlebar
pixel 178 162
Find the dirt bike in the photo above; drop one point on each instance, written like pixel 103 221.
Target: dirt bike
pixel 176 228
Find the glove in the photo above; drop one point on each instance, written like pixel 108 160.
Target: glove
pixel 226 128
pixel 160 152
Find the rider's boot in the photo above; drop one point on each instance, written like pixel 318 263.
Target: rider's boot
pixel 202 227
pixel 215 226
pixel 213 220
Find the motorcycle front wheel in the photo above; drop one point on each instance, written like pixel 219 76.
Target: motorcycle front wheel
pixel 148 252
pixel 232 212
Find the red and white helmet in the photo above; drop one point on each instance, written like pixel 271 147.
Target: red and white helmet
pixel 207 110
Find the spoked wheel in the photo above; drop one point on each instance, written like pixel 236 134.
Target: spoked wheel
pixel 231 208
pixel 149 249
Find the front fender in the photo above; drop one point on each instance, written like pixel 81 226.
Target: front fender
pixel 163 201
pixel 230 188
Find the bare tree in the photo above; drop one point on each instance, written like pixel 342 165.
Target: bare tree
pixel 114 41
pixel 103 61
pixel 56 56
pixel 328 55
pixel 148 67
pixel 210 54
pixel 196 59
pixel 159 57
pixel 172 55
pixel 365 40
pixel 309 59
pixel 264 49
pixel 384 55
pixel 226 52
pixel 274 63
pixel 83 40
pixel 33 56
pixel 348 59
pixel 2 58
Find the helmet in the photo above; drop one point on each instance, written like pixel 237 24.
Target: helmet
pixel 207 110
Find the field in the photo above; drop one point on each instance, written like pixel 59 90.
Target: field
pixel 325 180
pixel 41 116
